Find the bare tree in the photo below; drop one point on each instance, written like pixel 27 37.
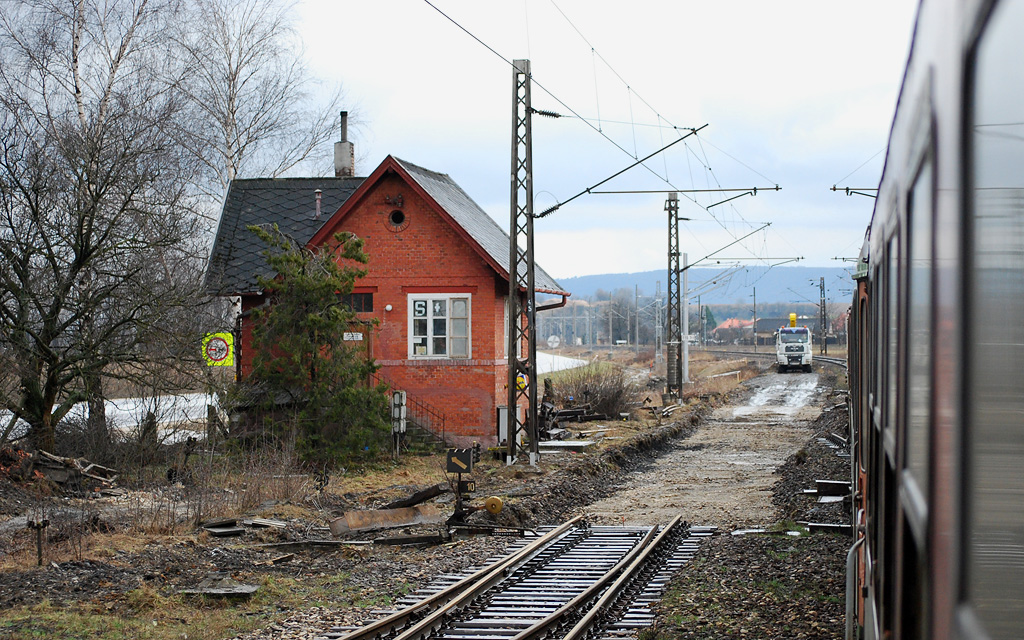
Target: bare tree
pixel 97 232
pixel 256 111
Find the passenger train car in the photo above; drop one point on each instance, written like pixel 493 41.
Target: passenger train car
pixel 937 355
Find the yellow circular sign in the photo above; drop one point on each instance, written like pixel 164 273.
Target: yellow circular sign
pixel 218 349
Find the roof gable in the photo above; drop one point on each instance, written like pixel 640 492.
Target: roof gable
pixel 236 260
pixel 453 205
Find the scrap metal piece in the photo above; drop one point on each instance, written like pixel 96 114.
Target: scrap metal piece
pixel 418 497
pixel 405 541
pixel 385 519
pixel 219 584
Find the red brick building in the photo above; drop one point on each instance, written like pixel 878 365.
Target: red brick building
pixel 437 279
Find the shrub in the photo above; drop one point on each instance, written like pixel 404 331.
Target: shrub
pixel 607 389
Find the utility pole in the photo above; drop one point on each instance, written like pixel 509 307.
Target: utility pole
pixel 686 321
pixel 658 342
pixel 610 341
pixel 824 320
pixel 522 330
pixel 700 319
pixel 574 323
pixel 755 319
pixel 636 307
pixel 674 362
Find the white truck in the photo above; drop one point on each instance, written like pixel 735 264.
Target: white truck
pixel 793 346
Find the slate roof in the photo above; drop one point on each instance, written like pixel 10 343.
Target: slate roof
pixel 236 258
pixel 480 226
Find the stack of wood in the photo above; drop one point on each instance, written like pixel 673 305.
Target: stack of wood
pixel 72 473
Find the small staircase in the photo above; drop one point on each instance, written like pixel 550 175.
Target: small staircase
pixel 421 440
pixel 424 424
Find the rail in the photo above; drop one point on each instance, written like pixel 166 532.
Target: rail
pixel 839 362
pixel 577 579
pixel 447 599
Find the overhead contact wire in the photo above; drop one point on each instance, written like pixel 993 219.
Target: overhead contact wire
pixel 598 129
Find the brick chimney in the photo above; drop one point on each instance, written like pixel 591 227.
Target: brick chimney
pixel 344 152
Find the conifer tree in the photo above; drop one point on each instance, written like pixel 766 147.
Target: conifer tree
pixel 312 385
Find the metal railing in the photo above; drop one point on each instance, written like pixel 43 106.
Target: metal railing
pixel 421 414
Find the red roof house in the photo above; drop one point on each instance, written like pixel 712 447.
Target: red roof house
pixel 437 280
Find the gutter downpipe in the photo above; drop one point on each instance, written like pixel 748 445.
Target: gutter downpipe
pixel 555 305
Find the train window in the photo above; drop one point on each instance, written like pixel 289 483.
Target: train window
pixel 892 259
pixel 994 524
pixel 919 330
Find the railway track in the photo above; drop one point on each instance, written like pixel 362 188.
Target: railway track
pixel 839 362
pixel 573 581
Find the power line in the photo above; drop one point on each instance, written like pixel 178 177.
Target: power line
pixel 598 129
pixel 617 173
pixel 860 167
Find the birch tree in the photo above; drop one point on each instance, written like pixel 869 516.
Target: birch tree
pixel 255 109
pixel 95 203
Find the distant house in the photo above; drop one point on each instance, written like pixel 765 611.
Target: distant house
pixel 437 280
pixel 734 331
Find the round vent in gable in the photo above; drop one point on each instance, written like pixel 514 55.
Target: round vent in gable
pixel 397 220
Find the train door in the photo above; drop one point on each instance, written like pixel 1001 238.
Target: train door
pixel 915 410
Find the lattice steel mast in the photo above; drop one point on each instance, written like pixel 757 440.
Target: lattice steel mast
pixel 673 338
pixel 522 323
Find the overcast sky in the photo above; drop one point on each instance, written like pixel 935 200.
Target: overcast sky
pixel 794 93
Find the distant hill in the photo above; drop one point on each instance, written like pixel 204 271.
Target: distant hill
pixel 726 286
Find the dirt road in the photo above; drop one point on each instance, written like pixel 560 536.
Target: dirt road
pixel 723 474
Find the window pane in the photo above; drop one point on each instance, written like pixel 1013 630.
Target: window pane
pixel 460 308
pixel 995 438
pixel 460 327
pixel 460 347
pixel 919 329
pixel 429 319
pixel 892 361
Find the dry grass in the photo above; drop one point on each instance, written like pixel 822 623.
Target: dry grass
pixel 385 474
pixel 268 484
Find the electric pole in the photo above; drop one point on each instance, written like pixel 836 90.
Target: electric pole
pixel 658 346
pixel 636 307
pixel 673 340
pixel 522 330
pixel 686 322
pixel 755 319
pixel 824 319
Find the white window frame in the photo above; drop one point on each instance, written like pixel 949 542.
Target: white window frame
pixel 416 341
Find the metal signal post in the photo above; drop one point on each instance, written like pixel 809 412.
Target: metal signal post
pixel 522 322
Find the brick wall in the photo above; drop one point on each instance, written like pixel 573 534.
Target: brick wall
pixel 425 254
